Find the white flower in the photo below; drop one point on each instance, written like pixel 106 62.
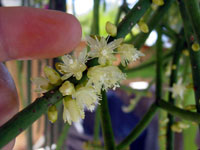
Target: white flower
pixel 103 50
pixel 87 96
pixel 73 66
pixel 42 84
pixel 105 77
pixel 72 111
pixel 178 89
pixel 128 53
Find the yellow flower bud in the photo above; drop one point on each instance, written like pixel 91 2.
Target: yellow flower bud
pixel 195 47
pixel 111 29
pixel 175 127
pixel 52 75
pixel 186 52
pixel 67 88
pixel 143 27
pixel 52 114
pixel 174 67
pixel 158 2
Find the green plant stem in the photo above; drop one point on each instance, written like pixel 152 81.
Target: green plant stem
pixel 173 79
pixel 118 15
pixel 132 18
pixel 95 30
pixel 141 126
pixel 169 32
pixel 27 116
pixel 95 23
pixel 194 56
pixel 178 112
pixel 62 137
pixel 97 124
pixel 109 142
pixel 159 65
pixel 193 11
pixel 29 97
pixel 170 108
pixel 152 23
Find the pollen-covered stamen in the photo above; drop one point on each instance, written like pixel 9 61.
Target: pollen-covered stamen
pixel 128 53
pixel 105 77
pixel 87 96
pixel 73 66
pixel 102 50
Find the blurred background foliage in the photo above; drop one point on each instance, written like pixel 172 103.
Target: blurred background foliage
pixel 44 134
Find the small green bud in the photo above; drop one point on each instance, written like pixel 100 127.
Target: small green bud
pixel 52 113
pixel 52 75
pixel 111 29
pixel 158 2
pixel 195 47
pixel 143 27
pixel 67 88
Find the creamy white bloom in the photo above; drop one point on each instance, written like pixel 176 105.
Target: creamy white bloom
pixel 72 111
pixel 178 89
pixel 87 97
pixel 105 77
pixel 42 84
pixel 102 49
pixel 73 66
pixel 128 53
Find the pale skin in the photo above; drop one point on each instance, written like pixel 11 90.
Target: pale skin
pixel 30 33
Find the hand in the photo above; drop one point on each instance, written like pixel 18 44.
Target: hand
pixel 29 33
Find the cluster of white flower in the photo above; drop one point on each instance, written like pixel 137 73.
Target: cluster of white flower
pixel 87 93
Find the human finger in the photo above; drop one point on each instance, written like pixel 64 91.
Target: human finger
pixel 28 33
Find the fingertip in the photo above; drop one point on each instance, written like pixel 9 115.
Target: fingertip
pixel 37 33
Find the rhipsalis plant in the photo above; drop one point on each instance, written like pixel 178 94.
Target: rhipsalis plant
pixel 86 92
pixel 79 82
